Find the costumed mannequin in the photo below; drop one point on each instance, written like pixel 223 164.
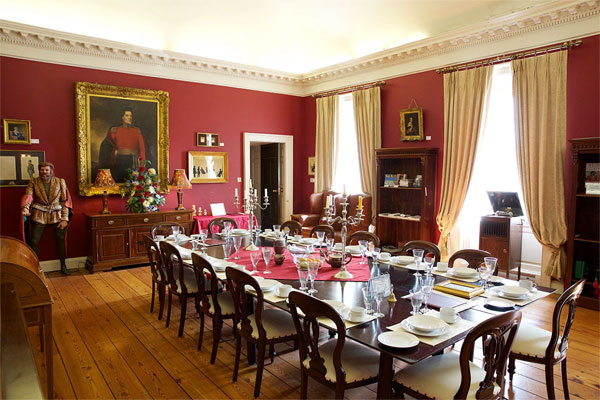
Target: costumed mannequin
pixel 47 203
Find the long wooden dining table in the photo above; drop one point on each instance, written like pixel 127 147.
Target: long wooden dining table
pixel 350 293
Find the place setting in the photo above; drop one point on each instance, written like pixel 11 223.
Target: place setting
pixel 500 298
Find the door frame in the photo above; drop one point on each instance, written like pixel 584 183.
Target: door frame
pixel 287 175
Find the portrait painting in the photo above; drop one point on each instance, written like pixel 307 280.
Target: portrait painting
pixel 311 166
pixel 117 128
pixel 207 167
pixel 17 131
pixel 411 124
pixel 17 167
pixel 207 139
pixel 29 166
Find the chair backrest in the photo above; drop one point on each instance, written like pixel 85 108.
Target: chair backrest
pixel 364 235
pixel 474 258
pixel 203 270
pixel 166 229
pixel 220 224
pixel 569 298
pixel 236 282
pixel 155 259
pixel 497 335
pixel 174 265
pixel 293 227
pixel 428 247
pixel 329 231
pixel 308 332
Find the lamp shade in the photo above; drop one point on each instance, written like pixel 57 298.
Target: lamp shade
pixel 104 181
pixel 180 180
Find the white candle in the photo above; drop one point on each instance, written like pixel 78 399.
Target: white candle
pixel 344 189
pixel 236 192
pixel 328 202
pixel 266 194
pixel 249 182
pixel 255 192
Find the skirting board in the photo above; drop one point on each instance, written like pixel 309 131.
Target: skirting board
pixel 54 265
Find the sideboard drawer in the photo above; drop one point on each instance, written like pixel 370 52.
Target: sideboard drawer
pixel 109 221
pixel 183 217
pixel 145 218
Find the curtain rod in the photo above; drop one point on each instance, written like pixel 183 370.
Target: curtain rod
pixel 511 56
pixel 348 89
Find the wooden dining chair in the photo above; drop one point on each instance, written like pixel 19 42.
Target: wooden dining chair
pixel 336 363
pixel 159 274
pixel 166 229
pixel 452 375
pixel 220 223
pixel 182 282
pixel 363 235
pixel 428 247
pixel 539 346
pixel 293 227
pixel 474 258
pixel 258 325
pixel 329 231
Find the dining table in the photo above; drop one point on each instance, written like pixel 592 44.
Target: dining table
pixel 350 294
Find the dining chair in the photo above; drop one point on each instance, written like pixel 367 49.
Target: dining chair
pixel 474 258
pixel 539 346
pixel 336 363
pixel 293 227
pixel 363 235
pixel 182 282
pixel 166 229
pixel 220 223
pixel 452 375
pixel 428 247
pixel 159 274
pixel 329 231
pixel 258 325
pixel 215 304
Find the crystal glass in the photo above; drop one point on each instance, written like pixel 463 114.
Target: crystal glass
pixel 416 299
pixel 490 262
pixel 313 270
pixel 227 249
pixel 487 269
pixel 362 246
pixel 427 283
pixel 368 298
pixel 375 254
pixel 237 243
pixel 418 257
pixel 329 242
pixel 303 277
pixel 379 292
pixel 429 263
pixel 255 257
pixel 195 241
pixel 267 253
pixel 227 227
pixel 203 235
pixel 277 230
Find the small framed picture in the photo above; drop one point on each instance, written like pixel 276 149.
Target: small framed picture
pixel 411 124
pixel 207 167
pixel 17 167
pixel 311 166
pixel 207 139
pixel 17 131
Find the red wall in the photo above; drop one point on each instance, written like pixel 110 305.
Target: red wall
pixel 44 94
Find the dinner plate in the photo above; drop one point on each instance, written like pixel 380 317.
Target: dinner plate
pixel 463 272
pixel 422 267
pixel 398 339
pixel 308 241
pixel 267 285
pixel 499 305
pixel 500 291
pixel 425 323
pixel 404 260
pixel 240 231
pixel 406 326
pixel 354 250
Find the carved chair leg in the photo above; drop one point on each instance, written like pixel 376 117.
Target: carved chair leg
pixel 260 364
pixel 339 390
pixel 303 384
pixel 217 327
pixel 511 366
pixel 550 381
pixel 565 379
pixel 161 300
pixel 201 334
pixel 238 350
pixel 153 293
pixel 272 352
pixel 169 309
pixel 183 302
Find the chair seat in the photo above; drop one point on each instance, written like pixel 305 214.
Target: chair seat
pixel 277 324
pixel 359 361
pixel 189 278
pixel 533 341
pixel 225 300
pixel 438 377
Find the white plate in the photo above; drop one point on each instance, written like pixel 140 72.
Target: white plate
pixel 398 339
pixel 495 279
pixel 514 291
pixel 404 324
pixel 414 267
pixel 354 250
pixel 500 292
pixel 425 323
pixel 267 285
pixel 404 260
pixel 500 304
pixel 308 240
pixel 463 272
pixel 436 269
pixel 242 231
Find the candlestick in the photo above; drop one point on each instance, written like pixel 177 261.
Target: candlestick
pixel 251 201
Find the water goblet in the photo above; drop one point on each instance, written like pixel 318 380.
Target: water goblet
pixel 379 292
pixel 416 299
pixel 302 277
pixel 277 230
pixel 237 243
pixel 267 253
pixel 368 298
pixel 255 257
pixel 313 270
pixel 362 246
pixel 330 242
pixel 490 263
pixel 195 241
pixel 175 229
pixel 484 274
pixel 227 249
pixel 427 284
pixel 418 257
pixel 203 234
pixel 227 227
pixel 429 263
pixel 375 254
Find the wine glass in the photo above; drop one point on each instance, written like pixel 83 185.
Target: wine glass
pixel 487 269
pixel 313 270
pixel 255 257
pixel 203 235
pixel 418 257
pixel 378 288
pixel 302 277
pixel 195 239
pixel 237 243
pixel 429 263
pixel 227 227
pixel 491 262
pixel 175 229
pixel 267 253
pixel 416 299
pixel 277 230
pixel 362 246
pixel 227 249
pixel 368 297
pixel 375 254
pixel 427 283
pixel 330 243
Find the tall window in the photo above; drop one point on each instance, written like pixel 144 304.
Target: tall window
pixel 346 170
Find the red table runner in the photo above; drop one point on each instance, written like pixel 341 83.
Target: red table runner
pixel 202 221
pixel 288 270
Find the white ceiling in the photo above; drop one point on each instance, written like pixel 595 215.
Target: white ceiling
pixel 284 35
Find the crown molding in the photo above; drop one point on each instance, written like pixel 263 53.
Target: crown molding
pixel 533 27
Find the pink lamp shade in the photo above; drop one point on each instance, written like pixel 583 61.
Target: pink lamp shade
pixel 180 180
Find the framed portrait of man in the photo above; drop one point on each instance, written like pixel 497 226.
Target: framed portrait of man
pixel 117 127
pixel 17 131
pixel 411 124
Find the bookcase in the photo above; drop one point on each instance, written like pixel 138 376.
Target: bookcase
pixel 583 241
pixel 406 213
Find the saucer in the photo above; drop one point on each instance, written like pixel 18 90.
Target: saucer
pixel 501 291
pixel 364 318
pixel 398 339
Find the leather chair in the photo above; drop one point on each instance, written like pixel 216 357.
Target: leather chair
pixel 317 212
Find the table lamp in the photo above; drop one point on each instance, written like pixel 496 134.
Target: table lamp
pixel 180 181
pixel 104 182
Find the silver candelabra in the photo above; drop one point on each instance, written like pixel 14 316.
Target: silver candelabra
pixel 344 220
pixel 250 203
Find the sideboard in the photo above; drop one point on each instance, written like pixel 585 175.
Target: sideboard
pixel 116 240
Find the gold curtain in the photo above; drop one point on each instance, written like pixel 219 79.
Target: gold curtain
pixel 325 142
pixel 464 107
pixel 367 118
pixel 540 91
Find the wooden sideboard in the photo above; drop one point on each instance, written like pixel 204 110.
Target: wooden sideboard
pixel 116 240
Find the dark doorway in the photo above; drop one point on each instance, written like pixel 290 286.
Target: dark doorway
pixel 270 179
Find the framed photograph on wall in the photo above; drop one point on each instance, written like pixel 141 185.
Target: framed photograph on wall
pixel 411 124
pixel 118 126
pixel 207 167
pixel 18 166
pixel 207 139
pixel 311 166
pixel 17 131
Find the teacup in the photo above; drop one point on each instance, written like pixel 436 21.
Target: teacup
pixel 297 237
pixel 284 290
pixel 159 238
pixel 442 266
pixel 356 313
pixel 385 256
pixel 527 284
pixel 268 230
pixel 448 314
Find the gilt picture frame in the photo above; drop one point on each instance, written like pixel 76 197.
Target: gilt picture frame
pixel 411 124
pixel 207 167
pixel 17 131
pixel 118 126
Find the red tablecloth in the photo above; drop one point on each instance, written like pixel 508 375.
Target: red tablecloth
pixel 288 269
pixel 202 221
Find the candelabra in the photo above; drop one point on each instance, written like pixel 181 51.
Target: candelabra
pixel 344 220
pixel 250 203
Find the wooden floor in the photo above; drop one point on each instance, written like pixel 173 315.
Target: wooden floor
pixel 108 345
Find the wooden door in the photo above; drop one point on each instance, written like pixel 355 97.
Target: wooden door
pixel 112 244
pixel 136 241
pixel 270 178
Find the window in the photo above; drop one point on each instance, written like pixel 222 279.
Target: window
pixel 347 169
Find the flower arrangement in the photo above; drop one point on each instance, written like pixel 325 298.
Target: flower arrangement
pixel 141 186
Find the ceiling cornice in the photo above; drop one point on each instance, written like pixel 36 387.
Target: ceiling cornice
pixel 548 23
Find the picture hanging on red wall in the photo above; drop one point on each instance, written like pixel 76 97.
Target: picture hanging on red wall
pixel 411 124
pixel 17 131
pixel 117 127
